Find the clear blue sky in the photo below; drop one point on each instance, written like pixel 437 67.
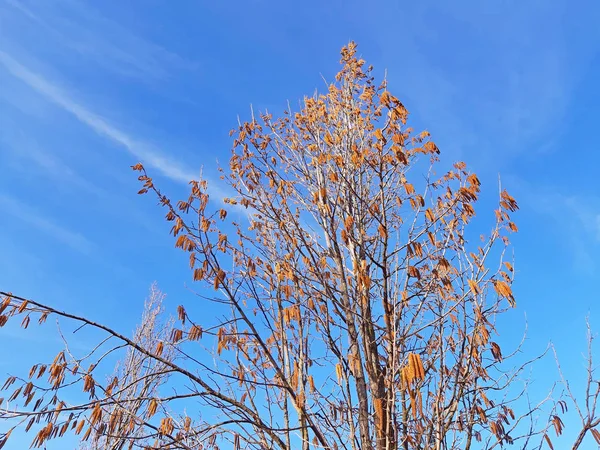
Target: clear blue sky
pixel 88 88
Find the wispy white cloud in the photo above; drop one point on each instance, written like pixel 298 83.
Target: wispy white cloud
pixel 573 218
pixel 29 157
pixel 17 209
pixel 145 152
pixel 587 212
pixel 582 213
pixel 489 78
pixel 85 31
pixel 576 222
pixel 24 148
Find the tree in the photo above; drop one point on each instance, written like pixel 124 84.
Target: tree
pixel 356 311
pixel 135 383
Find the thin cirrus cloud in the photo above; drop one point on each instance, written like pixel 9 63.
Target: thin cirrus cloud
pixel 77 28
pixel 16 208
pixel 23 146
pixel 98 124
pixel 573 218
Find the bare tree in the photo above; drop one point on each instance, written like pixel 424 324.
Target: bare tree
pixel 134 387
pixel 352 309
pixel 587 411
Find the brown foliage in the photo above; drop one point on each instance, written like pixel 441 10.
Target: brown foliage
pixel 359 315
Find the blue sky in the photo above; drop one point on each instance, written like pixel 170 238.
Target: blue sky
pixel 89 88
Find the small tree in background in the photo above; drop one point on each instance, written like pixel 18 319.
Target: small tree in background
pixel 135 383
pixel 357 313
